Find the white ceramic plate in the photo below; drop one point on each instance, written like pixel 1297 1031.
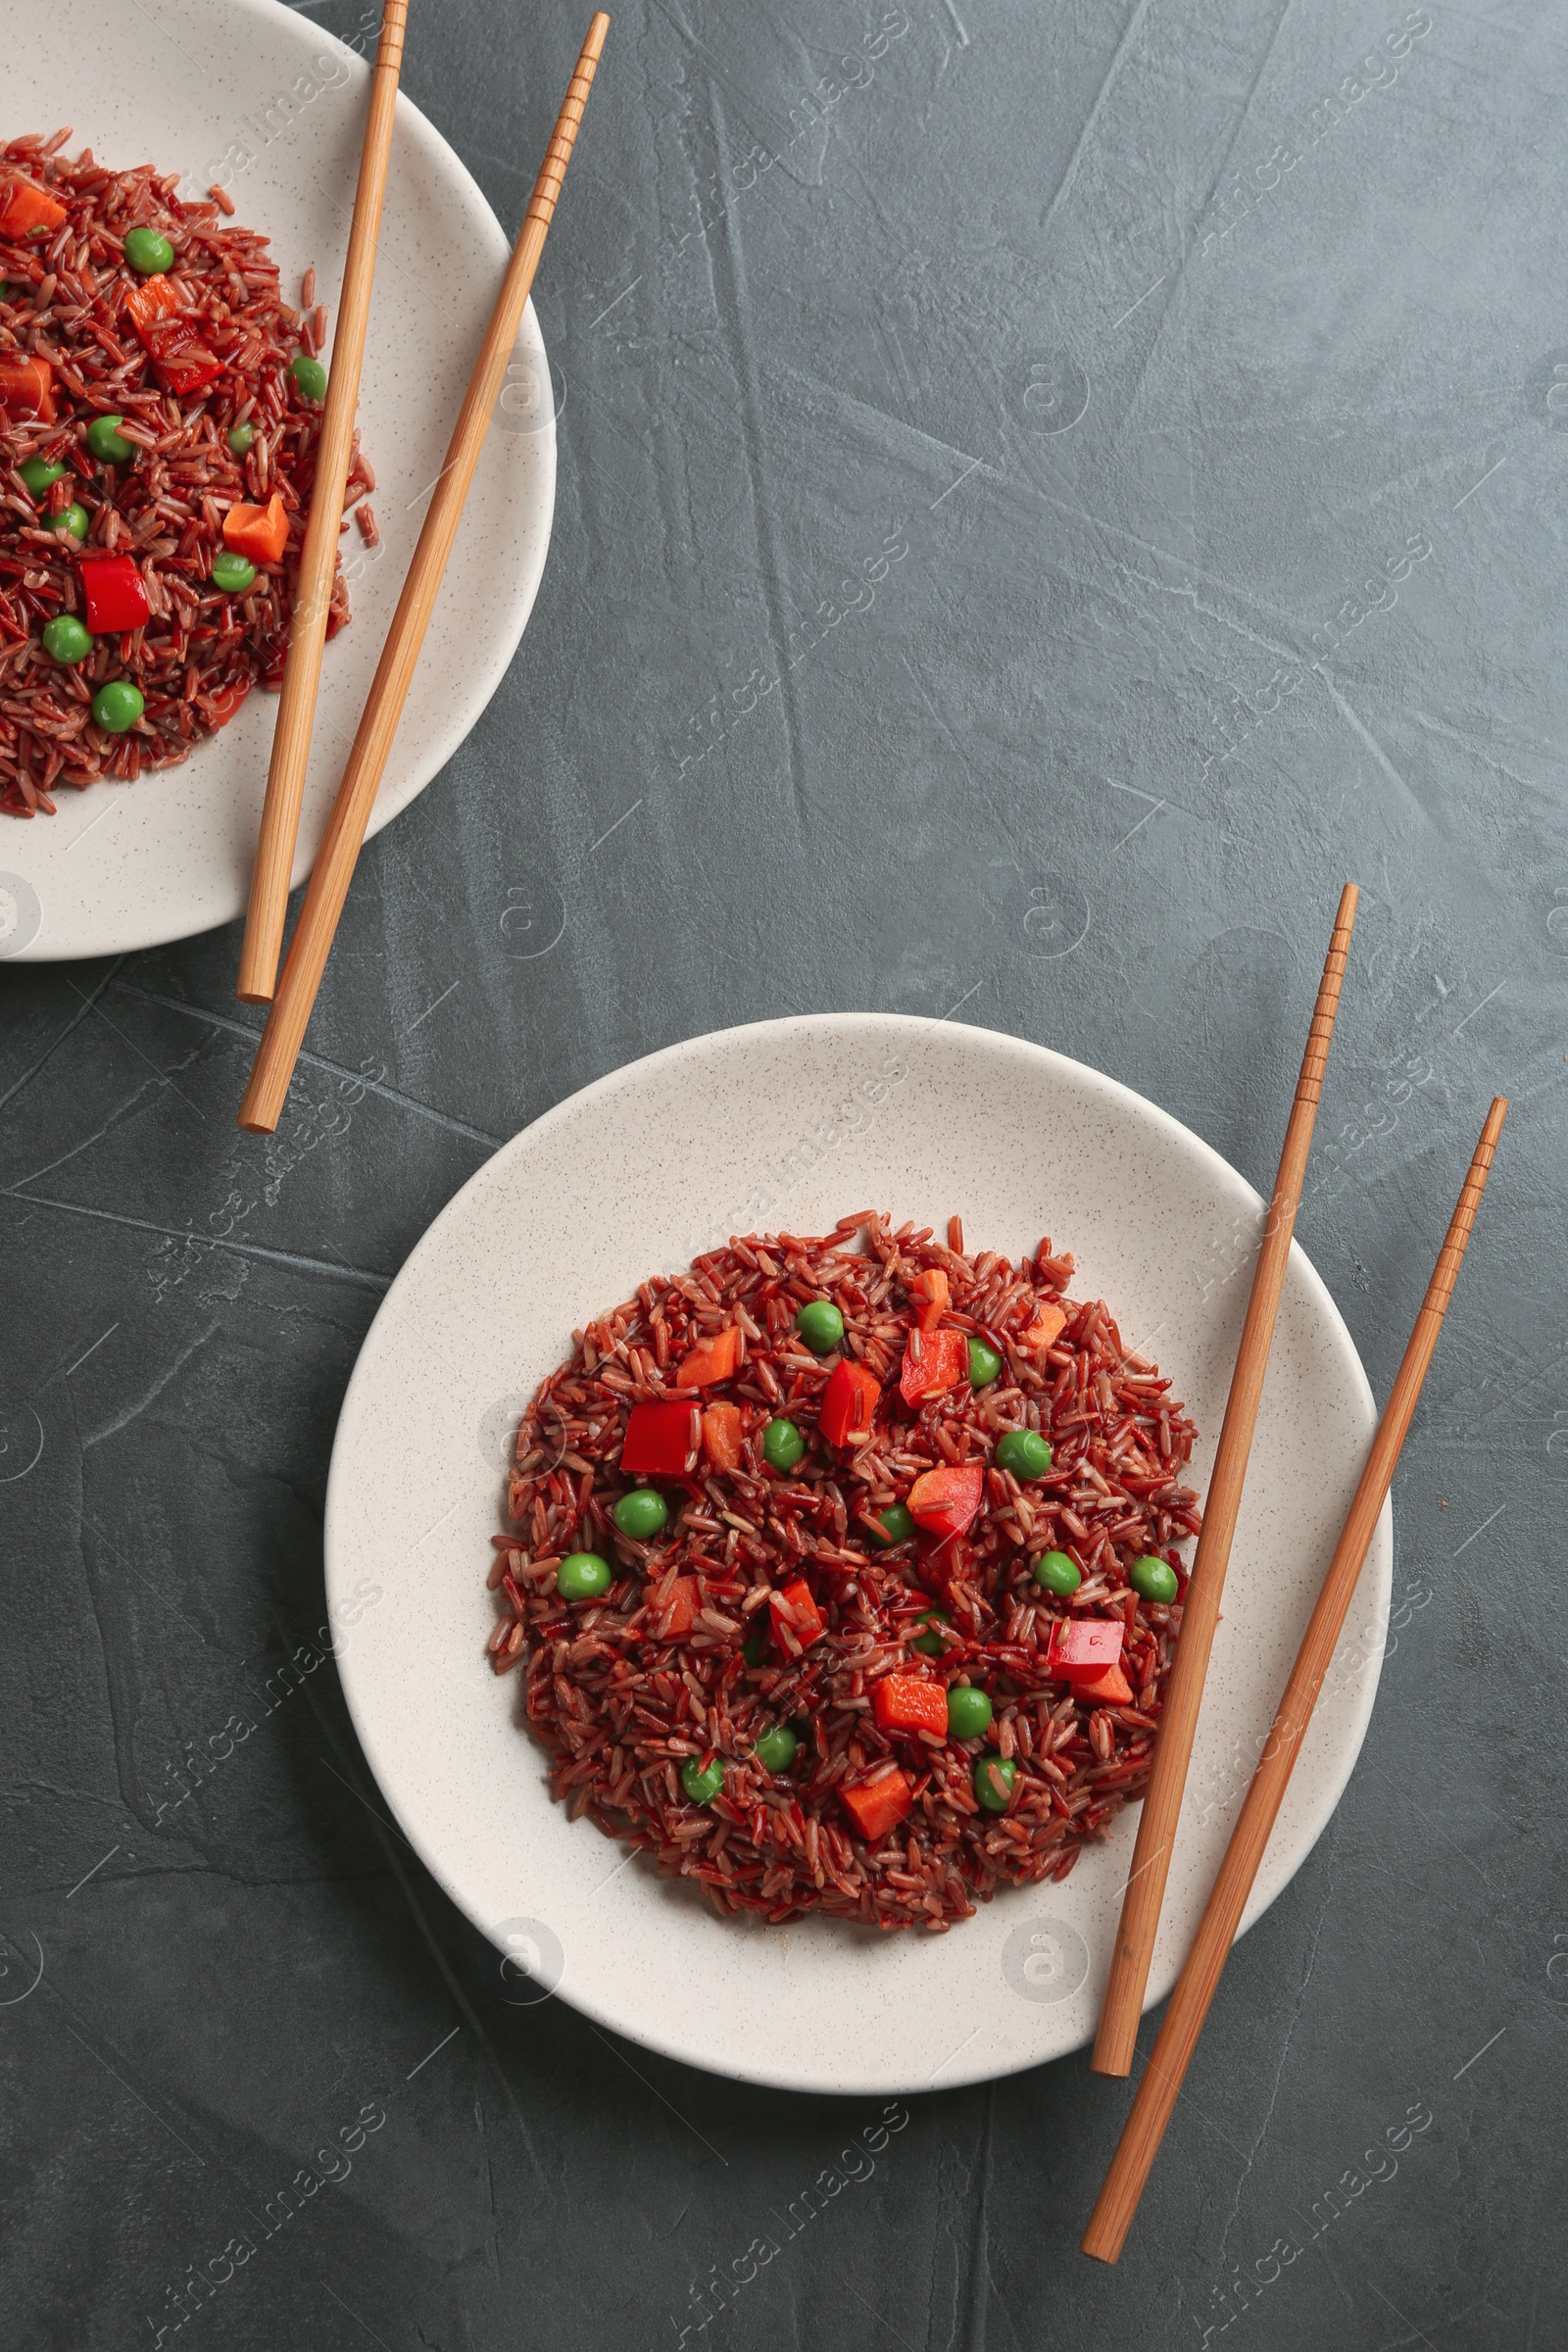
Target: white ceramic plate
pixel 199 87
pixel 800 1122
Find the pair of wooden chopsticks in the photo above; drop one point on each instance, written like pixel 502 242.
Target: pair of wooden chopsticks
pixel 1122 2007
pixel 312 942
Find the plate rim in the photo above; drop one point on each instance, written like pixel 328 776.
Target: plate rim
pixel 351 1656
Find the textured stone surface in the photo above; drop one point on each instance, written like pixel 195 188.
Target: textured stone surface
pixel 1009 290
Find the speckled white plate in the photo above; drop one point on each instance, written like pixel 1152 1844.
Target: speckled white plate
pixel 800 1122
pixel 201 87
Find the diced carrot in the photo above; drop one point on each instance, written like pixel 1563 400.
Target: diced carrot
pixel 714 1359
pixel 26 389
pixel 1049 1325
pixel 259 532
pixel 942 1362
pixel 797 1622
pixel 1108 1690
pixel 879 1805
pixel 848 1401
pixel 945 1501
pixel 25 206
pixel 722 1431
pixel 679 1613
pixel 154 299
pixel 932 1295
pixel 909 1702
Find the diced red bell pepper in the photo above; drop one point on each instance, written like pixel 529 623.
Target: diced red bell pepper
pixel 931 1294
pixel 181 361
pixel 25 206
pixel 797 1622
pixel 1049 1325
pixel 879 1805
pixel 26 389
pixel 909 1702
pixel 1108 1690
pixel 114 594
pixel 722 1432
pixel 259 532
pixel 661 1441
pixel 848 1401
pixel 945 1501
pixel 679 1613
pixel 713 1359
pixel 942 1362
pixel 1083 1647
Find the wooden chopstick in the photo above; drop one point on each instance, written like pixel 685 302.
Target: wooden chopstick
pixel 302 669
pixel 1144 1891
pixel 312 942
pixel 1156 2094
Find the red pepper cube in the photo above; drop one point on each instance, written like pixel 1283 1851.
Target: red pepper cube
pixel 945 1501
pixel 797 1622
pixel 879 1805
pixel 115 595
pixel 909 1702
pixel 679 1614
pixel 848 1401
pixel 661 1441
pixel 1084 1647
pixel 713 1359
pixel 942 1362
pixel 1108 1690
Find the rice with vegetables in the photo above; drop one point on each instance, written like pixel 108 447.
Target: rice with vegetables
pixel 160 412
pixel 844 1573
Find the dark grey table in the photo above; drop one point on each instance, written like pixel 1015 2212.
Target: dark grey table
pixel 1209 367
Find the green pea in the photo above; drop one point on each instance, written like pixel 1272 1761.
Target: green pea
pixel 775 1750
pixel 107 443
pixel 753 1650
pixel 148 253
pixel 65 641
pixel 1055 1573
pixel 702 1787
pixel 641 1513
pixel 968 1713
pixel 583 1576
pixel 231 572
pixel 896 1524
pixel 930 1643
pixel 994 1777
pixel 240 438
pixel 1025 1452
pixel 782 1445
pixel 1154 1579
pixel 984 1364
pixel 73 519
pixel 40 476
pixel 309 375
pixel 118 706
pixel 820 1326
